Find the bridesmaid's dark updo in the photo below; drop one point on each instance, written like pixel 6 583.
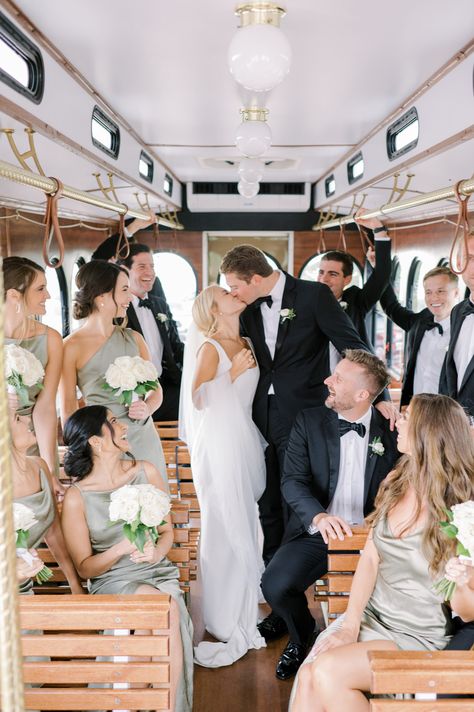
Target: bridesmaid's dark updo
pixel 94 278
pixel 80 426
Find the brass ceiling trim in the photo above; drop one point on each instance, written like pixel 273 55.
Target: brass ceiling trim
pixel 259 13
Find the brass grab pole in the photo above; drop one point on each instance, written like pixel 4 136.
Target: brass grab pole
pixel 466 187
pixel 48 185
pixel 11 681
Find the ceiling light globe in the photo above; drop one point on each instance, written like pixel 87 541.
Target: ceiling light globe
pixel 250 170
pixel 253 138
pixel 248 190
pixel 259 57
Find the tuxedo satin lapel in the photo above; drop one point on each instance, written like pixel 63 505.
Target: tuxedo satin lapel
pixel 458 321
pixel 287 302
pixel 468 374
pixel 333 442
pixel 371 462
pixel 132 318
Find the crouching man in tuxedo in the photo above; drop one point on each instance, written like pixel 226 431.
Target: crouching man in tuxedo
pixel 337 456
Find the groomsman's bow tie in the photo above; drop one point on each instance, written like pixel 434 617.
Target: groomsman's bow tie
pixel 145 303
pixel 268 300
pixel 468 308
pixel 435 325
pixel 345 427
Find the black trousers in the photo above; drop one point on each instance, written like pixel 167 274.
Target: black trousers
pixel 296 565
pixel 168 410
pixel 271 506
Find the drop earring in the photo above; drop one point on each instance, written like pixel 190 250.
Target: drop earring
pixel 18 308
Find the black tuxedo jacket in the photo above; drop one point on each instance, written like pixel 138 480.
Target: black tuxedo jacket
pixel 415 324
pixel 311 466
pixel 301 361
pixel 361 300
pixel 172 345
pixel 449 376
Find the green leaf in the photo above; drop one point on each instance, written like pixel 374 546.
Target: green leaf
pixel 44 575
pixel 141 390
pixel 22 539
pixel 127 530
pixel 140 537
pixel 461 550
pixel 450 530
pixel 152 531
pixel 127 397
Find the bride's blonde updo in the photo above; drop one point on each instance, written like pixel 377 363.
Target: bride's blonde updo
pixel 204 314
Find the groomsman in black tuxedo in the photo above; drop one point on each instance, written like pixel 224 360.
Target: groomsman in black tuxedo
pixel 428 331
pixel 337 456
pixel 151 317
pixel 457 380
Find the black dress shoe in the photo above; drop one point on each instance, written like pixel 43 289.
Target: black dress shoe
pixel 290 660
pixel 272 627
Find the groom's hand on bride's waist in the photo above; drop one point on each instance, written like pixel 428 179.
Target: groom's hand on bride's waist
pixel 331 527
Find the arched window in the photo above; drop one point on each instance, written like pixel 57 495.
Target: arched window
pixel 310 271
pixel 57 314
pixel 395 335
pixel 222 282
pixel 179 284
pixel 75 323
pixel 415 291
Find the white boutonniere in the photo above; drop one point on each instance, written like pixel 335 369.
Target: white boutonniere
pixel 287 315
pixel 377 446
pixel 162 317
pixel 343 305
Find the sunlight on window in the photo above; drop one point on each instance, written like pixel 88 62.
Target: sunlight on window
pixel 13 64
pixel 53 316
pixel 101 134
pixel 179 284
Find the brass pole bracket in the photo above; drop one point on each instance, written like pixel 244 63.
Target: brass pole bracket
pixel 397 190
pixel 30 153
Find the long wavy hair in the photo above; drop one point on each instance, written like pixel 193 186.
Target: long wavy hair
pixel 19 273
pixel 440 469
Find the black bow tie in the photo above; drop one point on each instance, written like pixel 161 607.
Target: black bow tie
pixel 145 303
pixel 346 427
pixel 435 325
pixel 261 300
pixel 468 308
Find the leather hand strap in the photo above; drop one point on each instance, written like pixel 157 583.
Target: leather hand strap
pixel 123 246
pixel 52 227
pixel 462 223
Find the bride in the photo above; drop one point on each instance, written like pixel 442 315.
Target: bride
pixel 220 376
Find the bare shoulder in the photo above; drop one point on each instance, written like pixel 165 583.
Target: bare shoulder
pixel 152 474
pixel 208 353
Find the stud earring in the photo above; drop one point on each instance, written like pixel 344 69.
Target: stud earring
pixel 102 305
pixel 18 308
pixel 220 313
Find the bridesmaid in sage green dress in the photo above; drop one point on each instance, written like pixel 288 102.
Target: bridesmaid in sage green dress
pixel 393 604
pixel 96 440
pixel 25 294
pixel 103 295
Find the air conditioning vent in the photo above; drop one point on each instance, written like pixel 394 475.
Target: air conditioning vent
pixel 204 188
pixel 205 196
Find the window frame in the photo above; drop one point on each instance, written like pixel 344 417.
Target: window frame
pixel 327 181
pixel 395 272
pixel 350 168
pixel 413 273
pixel 168 178
pixel 321 254
pixel 64 296
pixel 31 54
pixel 101 117
pixel 397 127
pixel 148 160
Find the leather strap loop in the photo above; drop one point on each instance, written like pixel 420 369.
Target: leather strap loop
pixel 462 223
pixel 341 243
pixel 321 244
pixel 52 227
pixel 122 250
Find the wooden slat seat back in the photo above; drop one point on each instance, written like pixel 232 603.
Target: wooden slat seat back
pixel 73 638
pixel 446 672
pixel 343 557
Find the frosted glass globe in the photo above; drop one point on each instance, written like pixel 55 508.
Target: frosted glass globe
pixel 259 57
pixel 253 138
pixel 248 190
pixel 250 170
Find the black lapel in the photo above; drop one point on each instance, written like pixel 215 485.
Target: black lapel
pixel 372 458
pixel 459 317
pixel 333 442
pixel 132 318
pixel 288 302
pixel 467 374
pixel 253 324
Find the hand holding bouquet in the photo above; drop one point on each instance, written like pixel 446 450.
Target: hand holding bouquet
pixel 143 509
pixel 23 519
pixel 22 370
pixel 459 526
pixel 129 375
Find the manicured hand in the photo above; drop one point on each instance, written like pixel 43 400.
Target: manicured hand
pixel 458 571
pixel 146 557
pixel 139 410
pixel 335 640
pixel 25 571
pixel 332 527
pixel 241 362
pixel 389 411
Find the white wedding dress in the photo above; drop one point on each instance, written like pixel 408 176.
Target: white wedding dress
pixel 227 457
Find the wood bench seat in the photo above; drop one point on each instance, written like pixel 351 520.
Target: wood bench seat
pixel 73 638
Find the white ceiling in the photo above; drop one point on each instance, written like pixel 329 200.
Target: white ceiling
pixel 163 66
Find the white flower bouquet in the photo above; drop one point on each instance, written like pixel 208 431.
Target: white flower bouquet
pixel 22 370
pixel 23 519
pixel 129 375
pixel 142 508
pixel 459 526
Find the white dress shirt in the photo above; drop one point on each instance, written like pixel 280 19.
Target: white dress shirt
pixel 348 498
pixel 429 360
pixel 271 317
pixel 464 349
pixel 151 333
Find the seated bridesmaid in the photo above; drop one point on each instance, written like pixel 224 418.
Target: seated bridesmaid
pixel 393 605
pixel 96 442
pixel 32 487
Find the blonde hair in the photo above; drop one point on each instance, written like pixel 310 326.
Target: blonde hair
pixel 440 468
pixel 203 314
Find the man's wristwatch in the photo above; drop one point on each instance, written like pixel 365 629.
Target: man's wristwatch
pixel 381 228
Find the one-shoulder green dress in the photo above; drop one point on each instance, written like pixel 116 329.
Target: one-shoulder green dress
pixel 42 505
pixel 125 576
pixel 144 440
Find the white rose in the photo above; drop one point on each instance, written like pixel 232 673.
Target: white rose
pixel 463 519
pixel 128 382
pixel 124 504
pixel 113 376
pixel 23 517
pixel 139 369
pixel 151 372
pixel 125 363
pixel 23 362
pixel 284 312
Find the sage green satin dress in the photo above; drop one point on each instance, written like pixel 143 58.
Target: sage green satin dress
pixel 125 576
pixel 42 504
pixel 144 441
